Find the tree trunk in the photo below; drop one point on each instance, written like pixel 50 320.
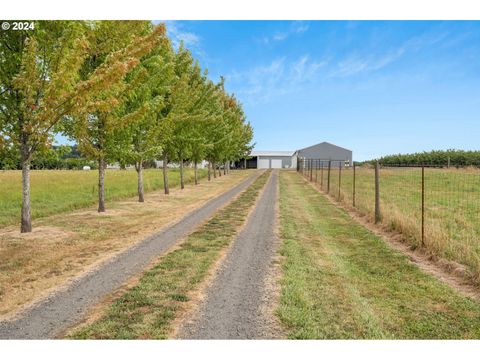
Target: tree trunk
pixel 195 171
pixel 165 176
pixel 209 171
pixel 139 168
pixel 182 182
pixel 26 225
pixel 214 170
pixel 101 185
pixel 225 168
pixel 219 171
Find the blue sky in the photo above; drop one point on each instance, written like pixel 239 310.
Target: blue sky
pixel 376 87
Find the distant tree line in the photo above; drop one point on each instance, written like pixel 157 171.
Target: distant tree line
pixel 62 157
pixel 450 157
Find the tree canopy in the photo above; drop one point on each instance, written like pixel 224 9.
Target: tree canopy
pixel 121 91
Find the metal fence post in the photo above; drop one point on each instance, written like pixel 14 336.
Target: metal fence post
pixel 423 204
pixel 377 192
pixel 316 171
pixel 354 185
pixel 328 175
pixel 339 178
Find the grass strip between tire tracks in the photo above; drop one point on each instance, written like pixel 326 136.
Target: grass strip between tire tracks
pixel 148 309
pixel 342 281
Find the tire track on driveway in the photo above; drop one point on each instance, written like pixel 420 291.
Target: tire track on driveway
pixel 235 303
pixel 62 309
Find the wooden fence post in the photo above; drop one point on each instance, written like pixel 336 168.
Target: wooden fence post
pixel 328 176
pixel 321 175
pixel 311 170
pixel 423 204
pixel 354 178
pixel 339 178
pixel 377 193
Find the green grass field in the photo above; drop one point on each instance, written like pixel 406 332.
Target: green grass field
pixel 56 191
pixel 341 281
pixel 452 206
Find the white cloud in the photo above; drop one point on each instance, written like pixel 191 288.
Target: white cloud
pixel 279 77
pixel 354 64
pixel 297 27
pixel 177 35
pixel 300 27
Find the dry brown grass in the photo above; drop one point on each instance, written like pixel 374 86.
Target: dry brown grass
pixel 452 199
pixel 399 231
pixel 66 245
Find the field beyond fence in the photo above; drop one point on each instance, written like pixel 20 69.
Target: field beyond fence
pixel 436 208
pixel 55 191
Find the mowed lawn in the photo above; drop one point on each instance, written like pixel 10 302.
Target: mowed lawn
pixel 452 207
pixel 56 191
pixel 342 281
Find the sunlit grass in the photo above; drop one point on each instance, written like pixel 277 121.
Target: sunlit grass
pixel 452 206
pixel 341 281
pixel 56 191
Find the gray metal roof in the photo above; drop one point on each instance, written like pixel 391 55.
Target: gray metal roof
pixel 324 143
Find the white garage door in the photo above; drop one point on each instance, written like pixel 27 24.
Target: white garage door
pixel 263 163
pixel 276 163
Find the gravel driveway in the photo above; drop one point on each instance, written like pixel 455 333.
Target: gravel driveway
pixel 62 309
pixel 235 303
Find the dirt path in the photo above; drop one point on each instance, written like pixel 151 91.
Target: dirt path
pixel 62 309
pixel 237 303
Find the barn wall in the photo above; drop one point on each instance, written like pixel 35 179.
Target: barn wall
pixel 326 151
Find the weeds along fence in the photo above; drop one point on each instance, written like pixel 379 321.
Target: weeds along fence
pixel 434 207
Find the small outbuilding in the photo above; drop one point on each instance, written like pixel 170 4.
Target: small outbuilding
pixel 270 160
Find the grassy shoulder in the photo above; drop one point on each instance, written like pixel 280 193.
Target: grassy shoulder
pixel 66 244
pixel 342 281
pixel 452 196
pixel 56 191
pixel 148 309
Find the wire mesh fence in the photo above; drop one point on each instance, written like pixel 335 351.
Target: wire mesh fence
pixel 434 207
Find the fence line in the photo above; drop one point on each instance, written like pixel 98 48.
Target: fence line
pixel 434 207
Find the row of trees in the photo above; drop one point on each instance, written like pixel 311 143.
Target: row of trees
pixel 450 157
pixel 121 91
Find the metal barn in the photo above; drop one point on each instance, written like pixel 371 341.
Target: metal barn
pixel 325 151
